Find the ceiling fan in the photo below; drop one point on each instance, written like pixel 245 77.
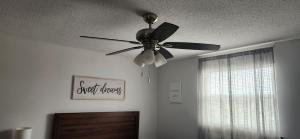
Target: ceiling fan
pixel 151 41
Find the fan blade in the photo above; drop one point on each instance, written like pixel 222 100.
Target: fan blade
pixel 124 50
pixel 133 42
pixel 164 31
pixel 192 46
pixel 165 53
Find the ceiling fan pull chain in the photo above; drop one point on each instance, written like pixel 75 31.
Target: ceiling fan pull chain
pixel 148 73
pixel 149 79
pixel 142 72
pixel 145 72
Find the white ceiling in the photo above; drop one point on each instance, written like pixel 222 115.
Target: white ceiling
pixel 230 23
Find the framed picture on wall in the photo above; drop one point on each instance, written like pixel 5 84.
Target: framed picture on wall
pixel 94 88
pixel 175 95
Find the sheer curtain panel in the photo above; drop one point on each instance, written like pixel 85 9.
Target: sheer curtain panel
pixel 238 98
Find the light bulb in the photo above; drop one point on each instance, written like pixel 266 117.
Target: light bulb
pixel 159 60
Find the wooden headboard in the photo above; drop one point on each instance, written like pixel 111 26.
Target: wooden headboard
pixel 96 125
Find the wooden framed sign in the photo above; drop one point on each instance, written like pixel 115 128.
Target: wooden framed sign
pixel 97 88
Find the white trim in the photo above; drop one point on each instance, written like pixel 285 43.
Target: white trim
pixel 245 48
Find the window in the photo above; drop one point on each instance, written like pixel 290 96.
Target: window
pixel 238 98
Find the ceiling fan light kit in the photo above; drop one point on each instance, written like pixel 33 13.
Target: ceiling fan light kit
pixel 154 52
pixel 148 57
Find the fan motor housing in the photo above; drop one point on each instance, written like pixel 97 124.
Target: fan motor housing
pixel 143 35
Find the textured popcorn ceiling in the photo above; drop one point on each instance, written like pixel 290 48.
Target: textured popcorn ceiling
pixel 230 23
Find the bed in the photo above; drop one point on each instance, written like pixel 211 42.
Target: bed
pixel 96 125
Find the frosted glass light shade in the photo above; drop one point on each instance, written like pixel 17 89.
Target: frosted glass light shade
pixel 148 57
pixel 139 60
pixel 145 58
pixel 159 60
pixel 23 133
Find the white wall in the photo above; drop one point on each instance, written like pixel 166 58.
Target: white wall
pixel 178 121
pixel 35 82
pixel 287 62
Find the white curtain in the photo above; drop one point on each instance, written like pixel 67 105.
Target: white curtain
pixel 238 98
